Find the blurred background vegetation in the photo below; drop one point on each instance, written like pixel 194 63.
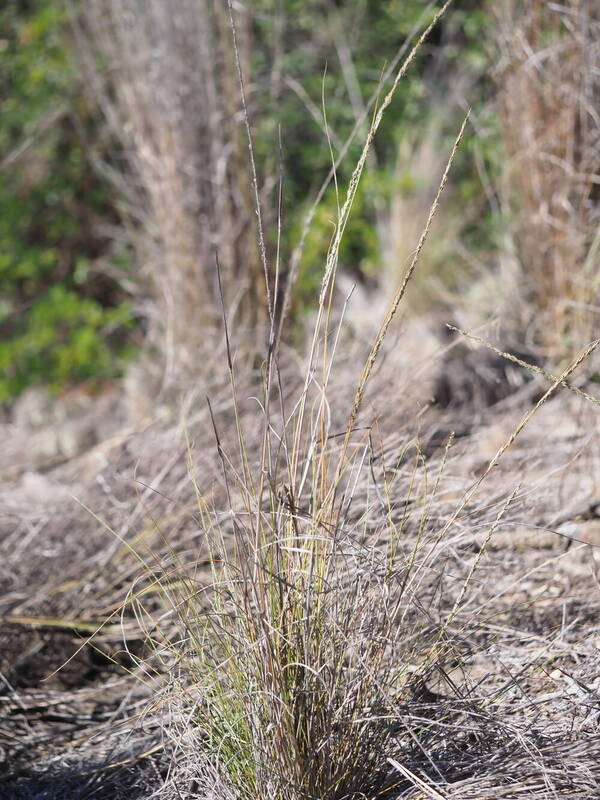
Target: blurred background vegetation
pixel 63 316
pixel 124 165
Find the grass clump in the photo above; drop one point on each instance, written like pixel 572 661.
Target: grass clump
pixel 293 699
pixel 304 639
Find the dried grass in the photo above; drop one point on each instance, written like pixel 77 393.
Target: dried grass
pixel 549 92
pixel 166 81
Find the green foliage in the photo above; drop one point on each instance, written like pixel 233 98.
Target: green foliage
pixel 65 338
pixel 360 247
pixel 313 37
pixel 55 308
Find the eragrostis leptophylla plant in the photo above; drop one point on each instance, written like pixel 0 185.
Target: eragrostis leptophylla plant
pixel 296 651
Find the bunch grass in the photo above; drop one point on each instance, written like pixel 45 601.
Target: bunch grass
pixel 295 650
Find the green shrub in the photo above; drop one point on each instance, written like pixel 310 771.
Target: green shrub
pixel 56 306
pixel 64 338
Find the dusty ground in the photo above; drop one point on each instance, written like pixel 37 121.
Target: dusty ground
pixel 81 481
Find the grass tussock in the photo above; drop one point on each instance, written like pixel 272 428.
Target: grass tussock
pixel 303 642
